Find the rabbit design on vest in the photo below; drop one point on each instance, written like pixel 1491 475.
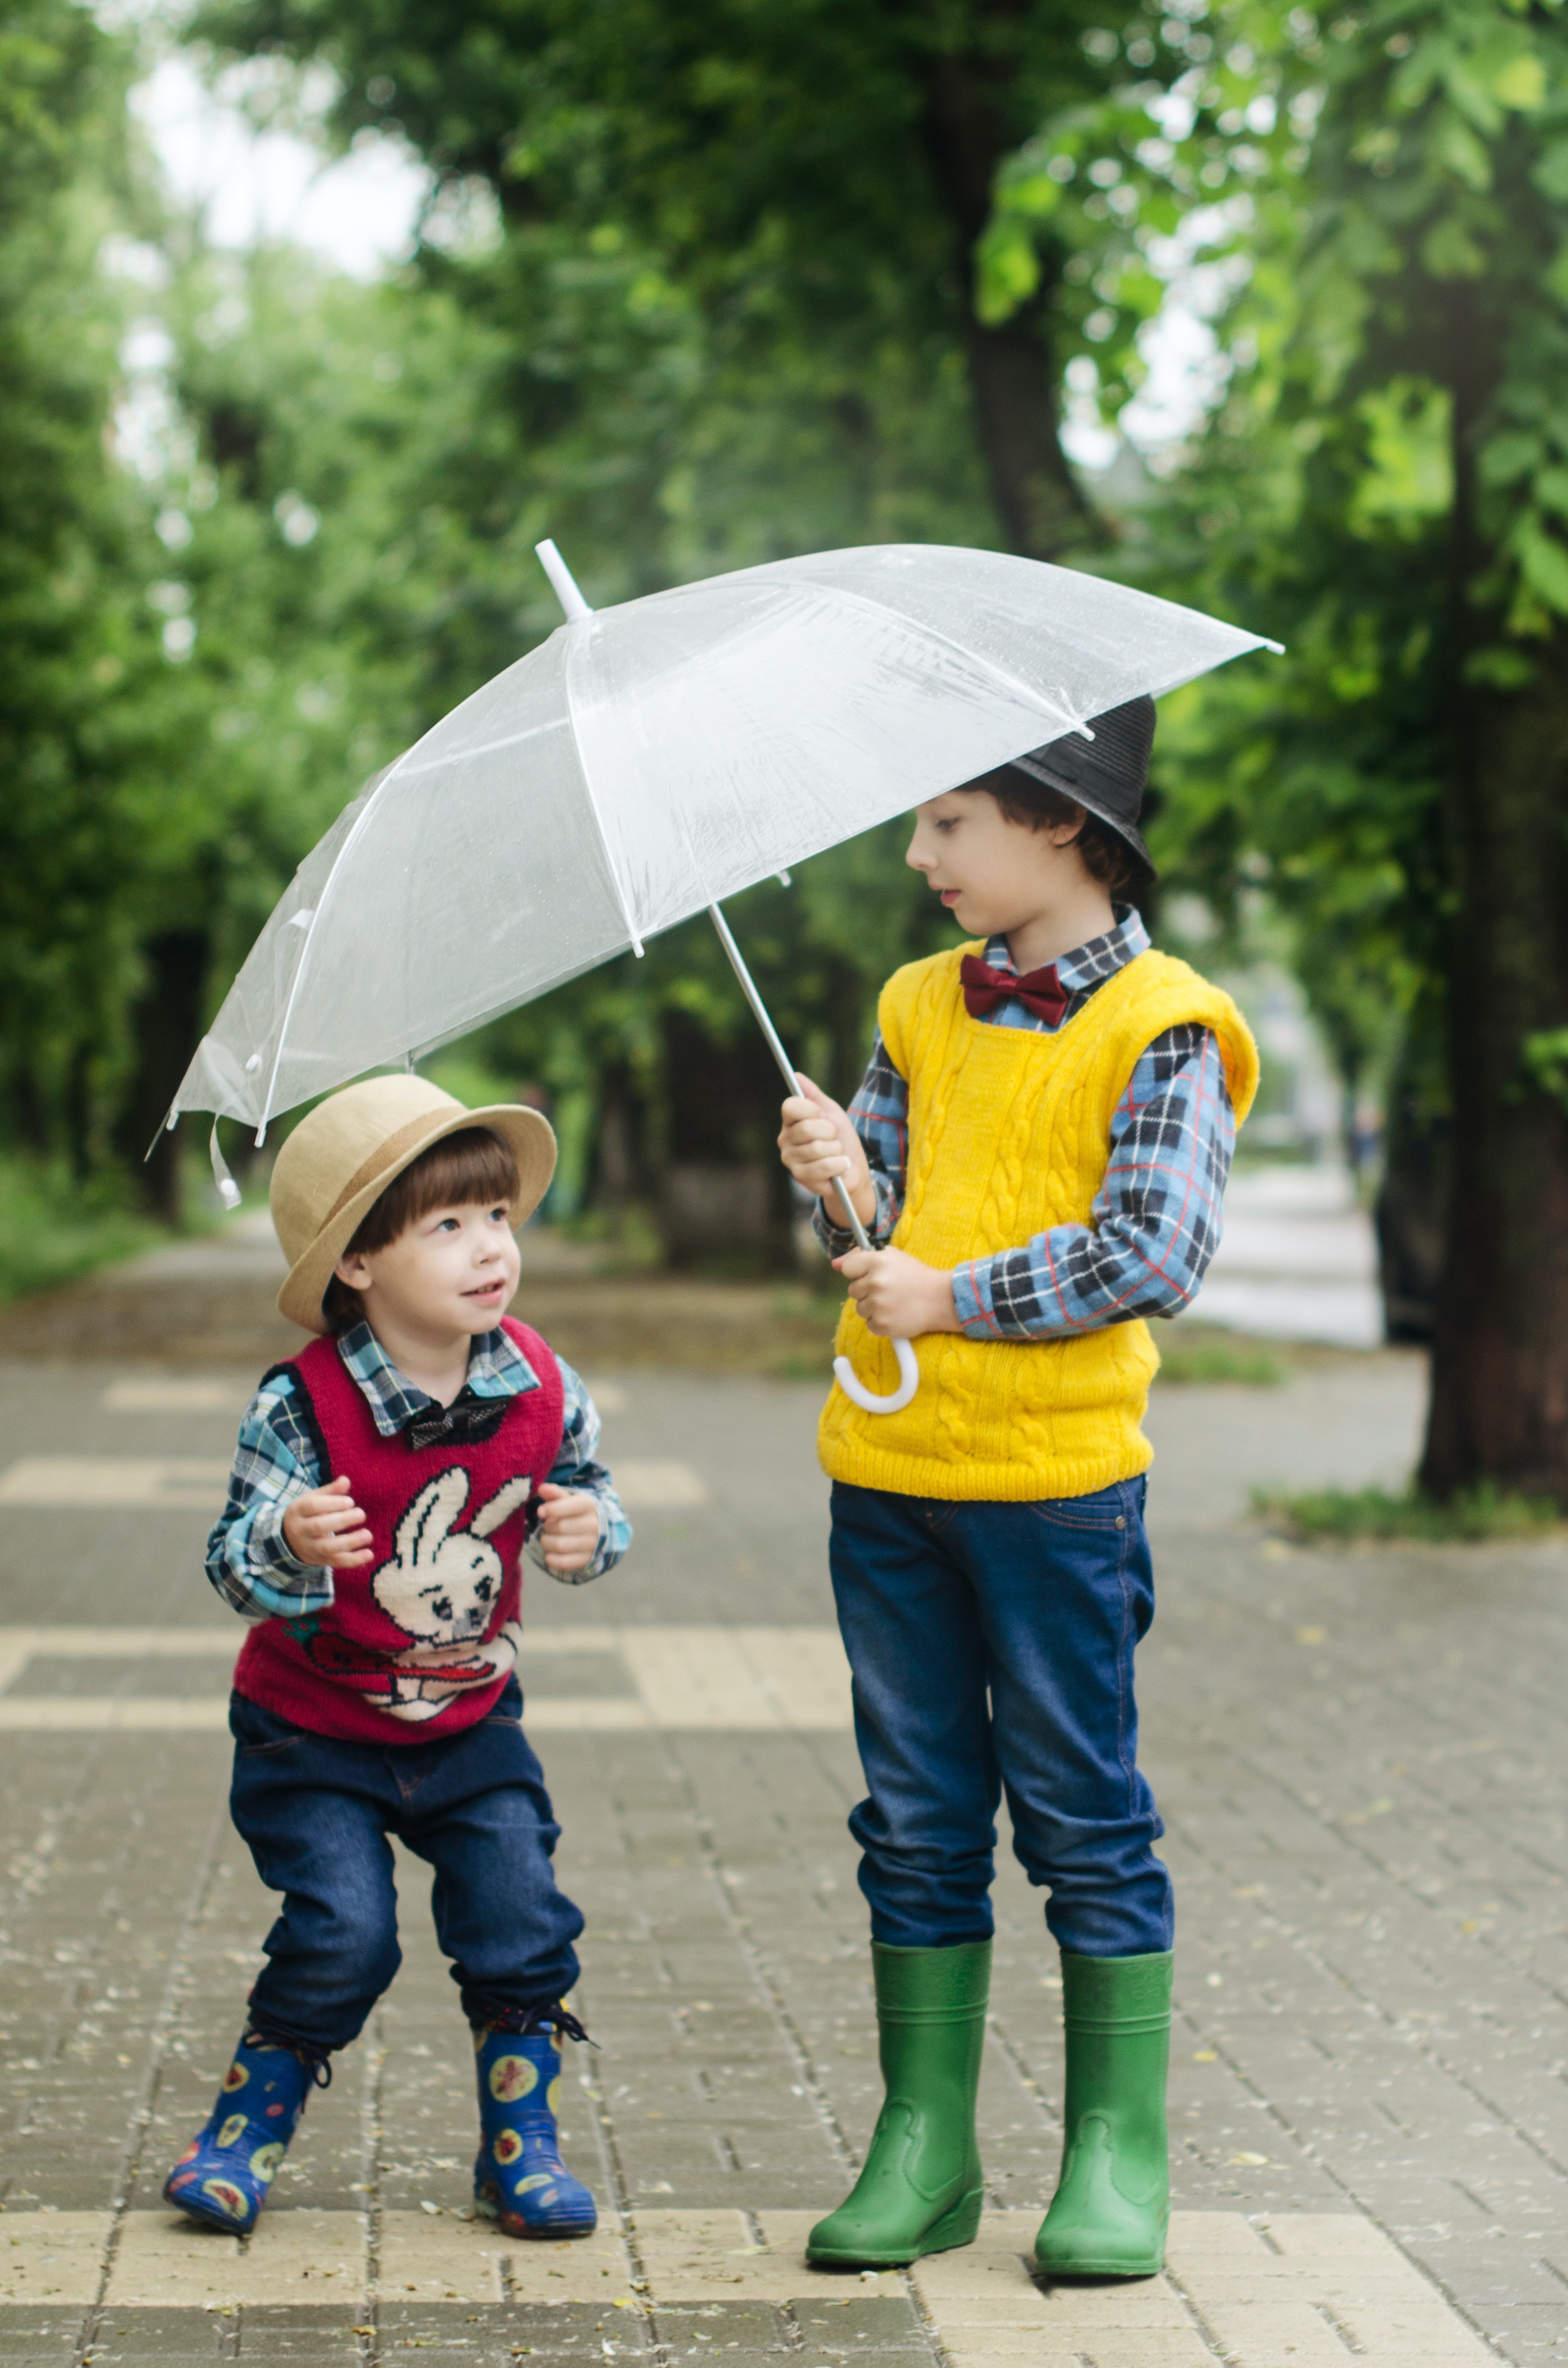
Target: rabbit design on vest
pixel 441 1588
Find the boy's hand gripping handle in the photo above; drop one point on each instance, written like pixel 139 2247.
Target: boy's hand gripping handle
pixel 843 1371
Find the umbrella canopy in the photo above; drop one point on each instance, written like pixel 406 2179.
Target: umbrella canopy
pixel 652 758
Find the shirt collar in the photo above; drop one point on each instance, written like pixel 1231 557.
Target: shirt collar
pixel 1096 960
pixel 496 1369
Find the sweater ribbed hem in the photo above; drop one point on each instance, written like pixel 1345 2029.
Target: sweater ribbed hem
pixel 1012 1482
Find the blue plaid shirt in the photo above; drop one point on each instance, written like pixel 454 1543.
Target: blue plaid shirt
pixel 247 1559
pixel 1156 1218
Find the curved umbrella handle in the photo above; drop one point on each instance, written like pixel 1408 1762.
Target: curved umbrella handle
pixel 867 1400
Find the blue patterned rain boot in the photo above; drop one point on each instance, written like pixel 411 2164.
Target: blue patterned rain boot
pixel 519 2179
pixel 225 2172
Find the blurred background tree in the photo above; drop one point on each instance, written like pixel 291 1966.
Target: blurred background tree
pixel 1383 486
pixel 697 287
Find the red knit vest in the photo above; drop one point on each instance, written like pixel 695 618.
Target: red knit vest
pixel 418 1642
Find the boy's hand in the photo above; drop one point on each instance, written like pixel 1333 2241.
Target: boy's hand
pixel 325 1528
pixel 898 1296
pixel 817 1142
pixel 569 1522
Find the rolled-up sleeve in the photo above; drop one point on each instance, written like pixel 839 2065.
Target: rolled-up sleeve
pixel 575 1467
pixel 1155 1222
pixel 248 1560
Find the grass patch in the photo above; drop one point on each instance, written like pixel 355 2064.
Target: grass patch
pixel 1200 1356
pixel 1340 1516
pixel 51 1231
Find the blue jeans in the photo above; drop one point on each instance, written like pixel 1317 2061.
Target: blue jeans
pixel 316 1814
pixel 1040 1607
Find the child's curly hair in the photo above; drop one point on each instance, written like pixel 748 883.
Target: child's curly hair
pixel 1106 856
pixel 472 1165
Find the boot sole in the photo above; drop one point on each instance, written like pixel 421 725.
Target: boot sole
pixel 1148 2268
pixel 961 2226
pixel 212 2219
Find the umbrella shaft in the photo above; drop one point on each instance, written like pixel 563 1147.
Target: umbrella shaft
pixel 776 1046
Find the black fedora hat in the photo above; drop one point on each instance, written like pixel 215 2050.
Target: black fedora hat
pixel 1105 775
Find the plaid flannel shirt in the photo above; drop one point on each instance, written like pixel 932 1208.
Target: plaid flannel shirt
pixel 1156 1218
pixel 247 1559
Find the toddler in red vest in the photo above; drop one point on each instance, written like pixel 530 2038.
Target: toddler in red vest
pixel 386 1480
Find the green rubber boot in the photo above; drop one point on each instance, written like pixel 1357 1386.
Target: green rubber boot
pixel 1113 2202
pixel 920 2190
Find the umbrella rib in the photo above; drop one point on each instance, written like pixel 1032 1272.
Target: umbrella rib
pixel 615 880
pixel 327 884
pixel 999 674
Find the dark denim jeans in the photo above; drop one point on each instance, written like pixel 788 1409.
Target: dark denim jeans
pixel 992 1647
pixel 317 1813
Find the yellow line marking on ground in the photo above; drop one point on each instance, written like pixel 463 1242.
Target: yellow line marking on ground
pixel 69 1484
pixel 165 2260
pixel 717 1680
pixel 644 1487
pixel 174 1394
pixel 52 2256
pixel 445 2258
pixel 1262 2293
pixel 113 1714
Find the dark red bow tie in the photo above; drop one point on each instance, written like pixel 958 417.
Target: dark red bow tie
pixel 1039 991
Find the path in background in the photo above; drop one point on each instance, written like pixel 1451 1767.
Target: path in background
pixel 1297 1262
pixel 1298 1259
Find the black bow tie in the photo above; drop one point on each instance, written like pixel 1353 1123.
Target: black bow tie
pixel 464 1423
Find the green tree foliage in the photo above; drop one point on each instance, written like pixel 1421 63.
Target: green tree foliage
pixel 766 215
pixel 76 758
pixel 1383 486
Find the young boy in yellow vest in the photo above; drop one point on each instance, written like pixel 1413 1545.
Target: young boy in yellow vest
pixel 1040 1152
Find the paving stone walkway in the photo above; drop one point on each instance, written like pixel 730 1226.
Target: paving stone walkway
pixel 1359 1757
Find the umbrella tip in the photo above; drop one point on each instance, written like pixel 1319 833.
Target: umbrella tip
pixel 563 581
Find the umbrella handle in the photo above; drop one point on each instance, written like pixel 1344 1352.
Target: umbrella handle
pixel 867 1400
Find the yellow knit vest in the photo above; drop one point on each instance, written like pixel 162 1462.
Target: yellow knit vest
pixel 1009 1133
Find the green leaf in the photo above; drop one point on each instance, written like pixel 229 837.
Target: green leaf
pixel 1456 150
pixel 1522 84
pixel 1032 194
pixel 1449 251
pixel 1550 172
pixel 1503 668
pixel 1007 271
pixel 1544 563
pixel 1502 459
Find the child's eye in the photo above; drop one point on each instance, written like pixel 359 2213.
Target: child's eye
pixel 447 1225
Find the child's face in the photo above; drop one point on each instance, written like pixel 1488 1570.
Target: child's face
pixel 454 1269
pixel 993 875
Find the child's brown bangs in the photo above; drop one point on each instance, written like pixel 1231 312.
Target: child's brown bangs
pixel 472 1166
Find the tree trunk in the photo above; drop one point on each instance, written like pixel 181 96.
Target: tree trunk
pixel 1011 368
pixel 1413 1199
pixel 1499 1409
pixel 166 1022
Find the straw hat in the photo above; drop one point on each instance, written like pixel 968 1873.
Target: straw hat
pixel 340 1159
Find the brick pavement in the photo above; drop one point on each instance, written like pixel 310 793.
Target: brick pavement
pixel 1357 1760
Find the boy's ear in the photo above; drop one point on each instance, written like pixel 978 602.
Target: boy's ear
pixel 353 1268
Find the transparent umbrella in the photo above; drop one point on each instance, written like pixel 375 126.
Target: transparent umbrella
pixel 650 759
